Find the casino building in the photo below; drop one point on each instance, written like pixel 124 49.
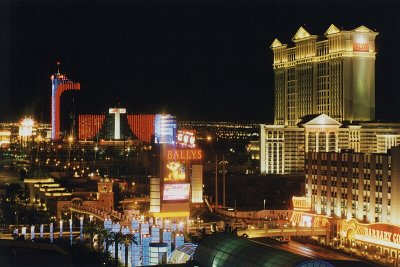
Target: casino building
pixel 324 100
pixel 334 76
pixel 116 125
pixel 324 127
pixel 360 195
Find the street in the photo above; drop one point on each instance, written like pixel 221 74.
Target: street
pixel 309 250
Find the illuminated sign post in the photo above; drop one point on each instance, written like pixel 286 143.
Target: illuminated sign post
pixel 176 173
pixel 117 121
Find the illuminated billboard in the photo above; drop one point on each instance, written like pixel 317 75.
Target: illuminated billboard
pixel 186 138
pixel 176 192
pixel 164 129
pixel 174 171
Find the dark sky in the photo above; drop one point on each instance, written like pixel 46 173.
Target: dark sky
pixel 194 59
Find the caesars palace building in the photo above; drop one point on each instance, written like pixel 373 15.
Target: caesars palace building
pixel 324 100
pixel 324 128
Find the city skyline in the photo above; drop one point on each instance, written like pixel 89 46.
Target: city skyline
pixel 192 60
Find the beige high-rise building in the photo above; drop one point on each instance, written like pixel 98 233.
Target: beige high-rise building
pixel 333 76
pixel 324 100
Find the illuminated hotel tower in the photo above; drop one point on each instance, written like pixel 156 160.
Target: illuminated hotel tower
pixel 117 121
pixel 334 76
pixel 59 84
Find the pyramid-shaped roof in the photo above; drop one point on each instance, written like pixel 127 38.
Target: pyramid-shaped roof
pixel 332 30
pixel 362 28
pixel 319 120
pixel 301 34
pixel 276 43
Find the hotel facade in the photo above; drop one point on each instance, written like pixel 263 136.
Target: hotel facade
pixel 324 127
pixel 334 76
pixel 324 100
pixel 359 193
pixel 283 148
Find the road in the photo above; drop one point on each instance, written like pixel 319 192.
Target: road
pixel 8 176
pixel 308 250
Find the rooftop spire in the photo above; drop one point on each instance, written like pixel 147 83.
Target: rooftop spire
pixel 58 67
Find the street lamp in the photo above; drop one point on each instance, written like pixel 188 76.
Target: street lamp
pixel 39 139
pixel 96 148
pixel 70 140
pixel 223 163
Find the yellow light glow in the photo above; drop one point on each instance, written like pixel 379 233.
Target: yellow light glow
pixel 377 241
pixel 38 180
pixel 171 214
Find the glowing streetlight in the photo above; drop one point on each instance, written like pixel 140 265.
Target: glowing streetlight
pixel 96 148
pixel 70 140
pixel 180 226
pixel 25 129
pixel 223 163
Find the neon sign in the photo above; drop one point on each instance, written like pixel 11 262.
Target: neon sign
pixel 176 171
pixel 378 233
pixel 186 138
pixel 381 232
pixel 360 43
pixel 362 47
pixel 176 191
pixel 184 154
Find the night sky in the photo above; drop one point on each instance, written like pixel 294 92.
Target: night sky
pixel 198 60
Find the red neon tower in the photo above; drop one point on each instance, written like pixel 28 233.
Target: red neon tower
pixel 59 84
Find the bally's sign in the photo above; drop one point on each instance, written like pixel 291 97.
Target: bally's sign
pixel 183 154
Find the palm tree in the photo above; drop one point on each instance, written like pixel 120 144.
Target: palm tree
pixel 129 239
pixel 107 237
pixel 102 235
pixel 117 238
pixel 90 230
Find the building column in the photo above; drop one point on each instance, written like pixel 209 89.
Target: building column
pixel 386 145
pixel 267 158
pixel 306 141
pixel 326 141
pixel 316 141
pixel 283 157
pixel 271 155
pixel 336 142
pixel 277 158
